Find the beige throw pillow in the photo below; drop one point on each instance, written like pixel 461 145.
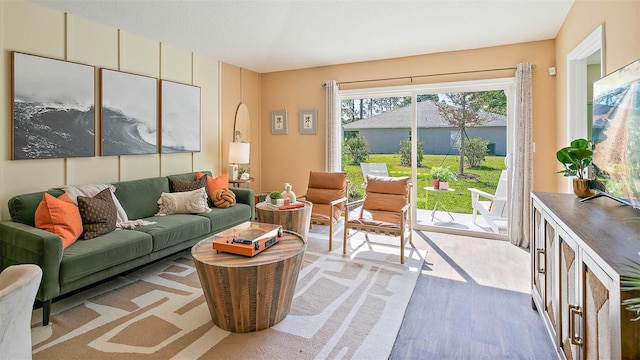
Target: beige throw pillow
pixel 188 202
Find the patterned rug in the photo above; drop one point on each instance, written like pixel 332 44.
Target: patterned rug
pixel 344 307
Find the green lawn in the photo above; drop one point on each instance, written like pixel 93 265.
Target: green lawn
pixel 458 201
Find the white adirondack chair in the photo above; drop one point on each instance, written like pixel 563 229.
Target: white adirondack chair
pixel 492 207
pixel 376 169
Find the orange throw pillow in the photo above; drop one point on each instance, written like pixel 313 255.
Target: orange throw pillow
pixel 213 184
pixel 59 216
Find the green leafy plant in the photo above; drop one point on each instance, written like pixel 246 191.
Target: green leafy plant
pixel 446 175
pixel 632 283
pixel 575 158
pixel 275 195
pixel 435 172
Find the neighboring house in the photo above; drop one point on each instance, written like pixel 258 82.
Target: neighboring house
pixel 384 132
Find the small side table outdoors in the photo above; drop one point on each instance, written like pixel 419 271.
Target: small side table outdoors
pixel 241 183
pixel 247 294
pixel 296 220
pixel 439 203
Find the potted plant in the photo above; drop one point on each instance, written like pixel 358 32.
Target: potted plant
pixel 274 196
pixel 435 176
pixel 576 158
pixel 445 176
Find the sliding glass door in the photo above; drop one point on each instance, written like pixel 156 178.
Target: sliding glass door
pixel 421 132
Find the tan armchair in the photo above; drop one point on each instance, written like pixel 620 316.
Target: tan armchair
pixel 327 191
pixel 385 210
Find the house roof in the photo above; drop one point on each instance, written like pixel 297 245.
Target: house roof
pixel 428 117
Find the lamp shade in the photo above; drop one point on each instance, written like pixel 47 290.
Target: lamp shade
pixel 239 153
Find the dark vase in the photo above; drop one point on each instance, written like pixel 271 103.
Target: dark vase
pixel 435 183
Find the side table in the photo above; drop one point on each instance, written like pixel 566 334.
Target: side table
pixel 247 294
pixel 296 220
pixel 439 203
pixel 241 183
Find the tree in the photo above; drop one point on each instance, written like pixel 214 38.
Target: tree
pixel 462 111
pixel 476 151
pixel 355 150
pixel 405 153
pixel 493 101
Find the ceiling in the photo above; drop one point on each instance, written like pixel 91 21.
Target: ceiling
pixel 266 36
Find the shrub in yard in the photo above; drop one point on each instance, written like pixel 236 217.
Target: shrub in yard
pixel 355 150
pixel 476 150
pixel 405 153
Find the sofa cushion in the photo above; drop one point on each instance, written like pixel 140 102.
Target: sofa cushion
pixel 224 218
pixel 22 208
pixel 214 184
pixel 84 258
pixel 90 190
pixel 61 217
pixel 187 185
pixel 98 213
pixel 174 229
pixel 188 202
pixel 139 198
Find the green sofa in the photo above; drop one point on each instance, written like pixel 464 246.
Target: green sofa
pixel 88 261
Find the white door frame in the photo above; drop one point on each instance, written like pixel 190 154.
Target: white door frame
pixel 577 85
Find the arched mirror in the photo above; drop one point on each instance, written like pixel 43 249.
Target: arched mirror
pixel 242 131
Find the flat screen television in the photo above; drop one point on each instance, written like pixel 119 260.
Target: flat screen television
pixel 616 135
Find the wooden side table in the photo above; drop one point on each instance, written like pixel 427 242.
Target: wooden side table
pixel 296 220
pixel 247 294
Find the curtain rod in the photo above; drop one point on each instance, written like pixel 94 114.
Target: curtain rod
pixel 533 66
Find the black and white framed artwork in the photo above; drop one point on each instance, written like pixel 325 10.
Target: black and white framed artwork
pixel 180 117
pixel 129 113
pixel 53 108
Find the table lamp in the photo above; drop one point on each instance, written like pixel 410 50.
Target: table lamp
pixel 238 154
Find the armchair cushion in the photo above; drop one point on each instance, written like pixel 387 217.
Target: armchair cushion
pixel 387 185
pixel 323 188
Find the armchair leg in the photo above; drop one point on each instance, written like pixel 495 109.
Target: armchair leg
pixel 330 235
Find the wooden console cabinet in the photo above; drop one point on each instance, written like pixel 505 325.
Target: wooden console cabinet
pixel 579 251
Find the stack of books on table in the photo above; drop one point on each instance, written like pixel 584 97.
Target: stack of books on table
pixel 295 205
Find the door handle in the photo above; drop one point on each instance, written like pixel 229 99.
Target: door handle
pixel 573 311
pixel 540 252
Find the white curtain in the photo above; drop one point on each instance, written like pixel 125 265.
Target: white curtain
pixel 522 179
pixel 333 157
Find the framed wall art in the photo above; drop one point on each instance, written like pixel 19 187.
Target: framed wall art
pixel 279 122
pixel 129 113
pixel 309 121
pixel 53 108
pixel 179 117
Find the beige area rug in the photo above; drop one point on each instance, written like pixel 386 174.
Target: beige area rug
pixel 344 307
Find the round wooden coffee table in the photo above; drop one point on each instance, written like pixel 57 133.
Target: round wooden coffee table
pixel 249 293
pixel 296 220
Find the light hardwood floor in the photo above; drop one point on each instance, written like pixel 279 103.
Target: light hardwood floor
pixel 472 301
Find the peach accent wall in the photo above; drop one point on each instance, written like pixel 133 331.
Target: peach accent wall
pixel 32 29
pixel 240 86
pixel 621 21
pixel 289 158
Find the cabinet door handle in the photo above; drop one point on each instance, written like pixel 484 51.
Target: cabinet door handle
pixel 540 252
pixel 573 311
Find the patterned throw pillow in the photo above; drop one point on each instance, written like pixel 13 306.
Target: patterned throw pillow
pixel 188 202
pixel 98 214
pixel 184 185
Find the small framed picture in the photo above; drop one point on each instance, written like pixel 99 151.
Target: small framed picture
pixel 309 121
pixel 279 123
